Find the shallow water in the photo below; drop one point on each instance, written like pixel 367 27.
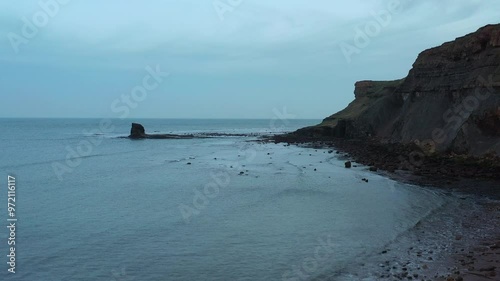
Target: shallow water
pixel 136 210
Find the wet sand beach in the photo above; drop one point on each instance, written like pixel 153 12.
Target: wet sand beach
pixel 437 248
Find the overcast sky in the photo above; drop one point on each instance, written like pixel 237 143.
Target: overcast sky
pixel 226 59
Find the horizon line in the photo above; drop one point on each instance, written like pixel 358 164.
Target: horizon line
pixel 164 118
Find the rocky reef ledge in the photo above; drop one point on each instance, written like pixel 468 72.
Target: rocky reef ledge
pixel 138 132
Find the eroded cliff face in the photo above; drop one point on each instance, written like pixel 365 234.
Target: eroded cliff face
pixel 374 107
pixel 450 100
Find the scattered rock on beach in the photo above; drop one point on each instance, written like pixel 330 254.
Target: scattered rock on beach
pixel 489 268
pixel 348 164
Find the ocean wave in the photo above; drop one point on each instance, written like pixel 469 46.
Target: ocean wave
pixel 10 166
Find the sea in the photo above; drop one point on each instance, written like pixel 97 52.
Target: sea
pixel 91 204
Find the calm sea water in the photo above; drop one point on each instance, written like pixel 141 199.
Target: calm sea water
pixel 92 206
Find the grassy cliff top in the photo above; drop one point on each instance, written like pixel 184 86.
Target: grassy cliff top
pixel 367 93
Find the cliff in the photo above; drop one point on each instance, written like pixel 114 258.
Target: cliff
pixel 449 102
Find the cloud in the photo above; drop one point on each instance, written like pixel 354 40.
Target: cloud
pixel 276 41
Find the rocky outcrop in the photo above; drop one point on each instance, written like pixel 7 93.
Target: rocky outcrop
pixel 449 102
pixel 138 132
pixel 374 88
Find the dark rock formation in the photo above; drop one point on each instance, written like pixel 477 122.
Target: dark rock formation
pixel 449 102
pixel 137 131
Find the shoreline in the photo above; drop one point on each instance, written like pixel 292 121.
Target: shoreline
pixel 474 260
pixel 409 164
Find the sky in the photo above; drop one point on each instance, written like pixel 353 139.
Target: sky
pixel 213 59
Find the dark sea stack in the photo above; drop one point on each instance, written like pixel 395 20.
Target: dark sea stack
pixel 449 102
pixel 137 131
